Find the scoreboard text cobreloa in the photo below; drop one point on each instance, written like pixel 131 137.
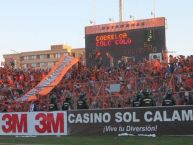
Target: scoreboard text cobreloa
pixel 113 39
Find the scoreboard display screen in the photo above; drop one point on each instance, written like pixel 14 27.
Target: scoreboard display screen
pixel 108 47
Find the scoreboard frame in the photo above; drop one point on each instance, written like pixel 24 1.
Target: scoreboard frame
pixel 101 41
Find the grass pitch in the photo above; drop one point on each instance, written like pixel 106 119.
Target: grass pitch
pixel 97 140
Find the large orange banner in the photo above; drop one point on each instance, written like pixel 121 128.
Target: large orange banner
pixel 52 79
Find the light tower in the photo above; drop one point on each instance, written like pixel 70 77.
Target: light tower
pixel 121 10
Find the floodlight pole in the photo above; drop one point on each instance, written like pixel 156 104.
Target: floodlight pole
pixel 154 8
pixel 120 10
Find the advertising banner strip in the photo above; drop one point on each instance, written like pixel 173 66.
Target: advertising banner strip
pixel 34 123
pixel 132 121
pixel 52 79
pixel 135 121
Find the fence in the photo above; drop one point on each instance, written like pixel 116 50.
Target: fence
pixel 120 93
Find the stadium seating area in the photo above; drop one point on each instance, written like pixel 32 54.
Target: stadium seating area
pixel 96 83
pixel 14 83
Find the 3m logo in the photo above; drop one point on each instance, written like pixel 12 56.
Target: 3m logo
pixel 49 123
pixel 14 123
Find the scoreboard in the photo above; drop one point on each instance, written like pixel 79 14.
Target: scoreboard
pixel 108 43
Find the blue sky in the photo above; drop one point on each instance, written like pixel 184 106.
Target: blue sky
pixel 29 25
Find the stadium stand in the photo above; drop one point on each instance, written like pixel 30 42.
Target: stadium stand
pixel 112 87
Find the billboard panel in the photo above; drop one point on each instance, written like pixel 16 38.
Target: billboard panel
pixel 107 44
pixel 134 121
pixel 33 123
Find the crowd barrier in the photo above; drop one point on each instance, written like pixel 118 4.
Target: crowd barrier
pixel 100 95
pixel 176 120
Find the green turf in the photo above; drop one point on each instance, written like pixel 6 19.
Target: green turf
pixel 100 140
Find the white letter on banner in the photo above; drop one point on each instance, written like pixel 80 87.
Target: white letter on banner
pixel 146 116
pixel 157 116
pixel 71 118
pixel 118 117
pixel 106 117
pixel 187 115
pixel 176 116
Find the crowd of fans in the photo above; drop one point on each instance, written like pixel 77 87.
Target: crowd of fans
pixel 14 83
pixel 83 88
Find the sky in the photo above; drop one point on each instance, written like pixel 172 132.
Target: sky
pixel 31 25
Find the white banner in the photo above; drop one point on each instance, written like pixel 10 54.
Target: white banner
pixel 33 123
